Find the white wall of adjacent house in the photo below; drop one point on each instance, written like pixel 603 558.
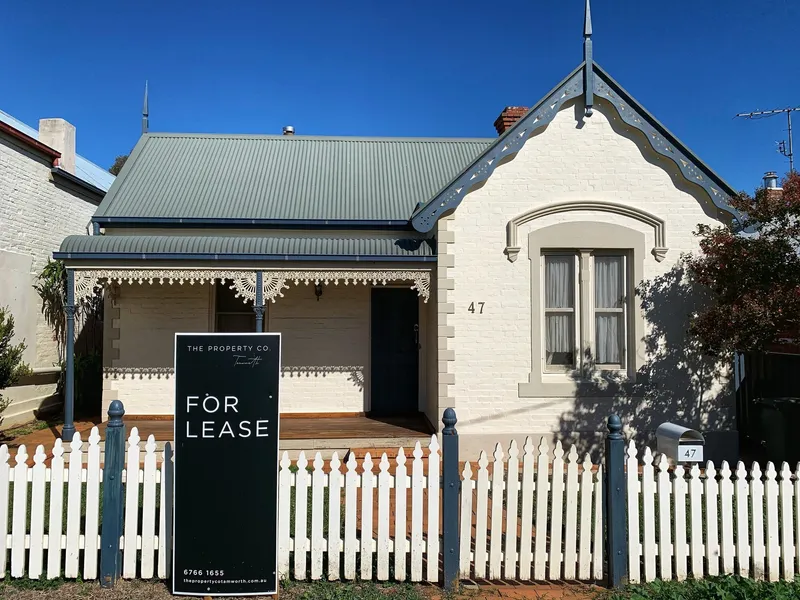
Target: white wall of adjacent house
pixel 325 345
pixel 572 159
pixel 35 216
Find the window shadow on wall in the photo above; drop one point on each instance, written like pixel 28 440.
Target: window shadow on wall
pixel 676 381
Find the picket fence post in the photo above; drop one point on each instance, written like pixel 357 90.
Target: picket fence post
pixel 110 556
pixel 451 484
pixel 615 505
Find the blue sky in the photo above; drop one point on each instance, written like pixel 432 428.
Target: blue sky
pixel 403 68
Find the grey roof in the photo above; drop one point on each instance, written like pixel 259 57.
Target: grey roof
pixel 85 169
pixel 208 247
pixel 205 176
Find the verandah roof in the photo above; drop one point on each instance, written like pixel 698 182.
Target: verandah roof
pixel 247 248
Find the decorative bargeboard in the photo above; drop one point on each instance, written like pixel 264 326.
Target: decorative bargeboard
pixel 88 281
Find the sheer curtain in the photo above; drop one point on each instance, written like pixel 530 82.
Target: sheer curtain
pixel 559 291
pixel 609 308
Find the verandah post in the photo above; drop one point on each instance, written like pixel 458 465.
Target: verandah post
pixel 616 510
pixel 451 485
pixel 69 384
pixel 110 555
pixel 258 305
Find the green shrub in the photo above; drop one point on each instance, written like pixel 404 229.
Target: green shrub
pixel 713 588
pixel 11 365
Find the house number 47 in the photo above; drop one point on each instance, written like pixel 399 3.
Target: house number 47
pixel 476 307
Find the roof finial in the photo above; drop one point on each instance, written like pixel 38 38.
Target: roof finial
pixel 588 61
pixel 587 21
pixel 145 112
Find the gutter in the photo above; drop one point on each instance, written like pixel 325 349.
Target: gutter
pixel 191 222
pixel 59 172
pixel 32 142
pixel 239 257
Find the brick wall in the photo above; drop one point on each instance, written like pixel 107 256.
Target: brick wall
pixel 598 160
pixel 35 216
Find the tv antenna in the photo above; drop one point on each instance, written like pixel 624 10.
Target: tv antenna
pixel 763 114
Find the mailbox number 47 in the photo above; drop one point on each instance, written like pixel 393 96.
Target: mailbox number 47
pixel 690 452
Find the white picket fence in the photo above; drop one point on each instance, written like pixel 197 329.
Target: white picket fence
pixel 59 533
pixel 335 514
pixel 525 515
pixel 532 525
pixel 686 523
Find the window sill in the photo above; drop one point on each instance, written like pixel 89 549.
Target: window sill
pixel 550 385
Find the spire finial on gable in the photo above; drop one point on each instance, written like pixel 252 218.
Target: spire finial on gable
pixel 588 70
pixel 145 112
pixel 587 21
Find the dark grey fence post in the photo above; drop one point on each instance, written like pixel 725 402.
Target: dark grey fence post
pixel 110 556
pixel 616 510
pixel 451 485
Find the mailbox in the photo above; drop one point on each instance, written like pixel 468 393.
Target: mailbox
pixel 680 444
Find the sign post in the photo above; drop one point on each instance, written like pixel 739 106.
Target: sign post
pixel 226 464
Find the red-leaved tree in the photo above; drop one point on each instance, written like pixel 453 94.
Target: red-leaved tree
pixel 753 279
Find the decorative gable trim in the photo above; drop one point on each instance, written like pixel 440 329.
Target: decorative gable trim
pixel 665 143
pixel 659 228
pixel 629 110
pixel 511 142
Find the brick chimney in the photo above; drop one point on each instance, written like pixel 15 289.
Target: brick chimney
pixel 509 116
pixel 59 135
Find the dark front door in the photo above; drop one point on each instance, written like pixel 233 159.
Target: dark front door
pixel 395 352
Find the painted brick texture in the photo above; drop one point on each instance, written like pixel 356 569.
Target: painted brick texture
pixel 35 216
pixel 325 345
pixel 571 159
pixel 325 348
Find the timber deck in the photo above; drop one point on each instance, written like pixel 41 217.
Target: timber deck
pixel 342 431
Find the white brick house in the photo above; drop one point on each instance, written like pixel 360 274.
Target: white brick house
pixel 47 192
pixel 524 253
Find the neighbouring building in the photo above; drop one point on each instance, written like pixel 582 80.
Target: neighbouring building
pixel 47 192
pixel 497 276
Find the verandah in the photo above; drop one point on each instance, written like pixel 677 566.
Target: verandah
pixel 256 288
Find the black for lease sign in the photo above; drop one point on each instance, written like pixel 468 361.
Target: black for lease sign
pixel 226 464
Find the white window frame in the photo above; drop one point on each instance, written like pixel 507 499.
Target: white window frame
pixel 576 313
pixel 597 236
pixel 621 367
pixel 584 312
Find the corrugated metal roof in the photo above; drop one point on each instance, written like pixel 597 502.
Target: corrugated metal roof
pixel 202 176
pixel 346 248
pixel 84 168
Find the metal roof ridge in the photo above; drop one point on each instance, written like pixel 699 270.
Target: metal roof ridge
pixel 295 138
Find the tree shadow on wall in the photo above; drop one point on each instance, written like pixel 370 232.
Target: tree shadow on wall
pixel 676 380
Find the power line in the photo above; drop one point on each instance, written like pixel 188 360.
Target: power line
pixel 763 114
